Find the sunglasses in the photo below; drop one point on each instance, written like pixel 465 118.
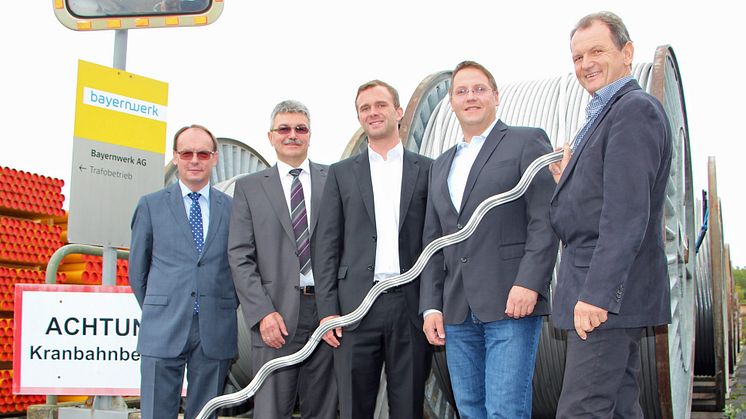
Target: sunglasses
pixel 284 129
pixel 201 155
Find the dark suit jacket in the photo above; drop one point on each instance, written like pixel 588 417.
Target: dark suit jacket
pixel 513 245
pixel 607 210
pixel 262 249
pixel 344 245
pixel 165 273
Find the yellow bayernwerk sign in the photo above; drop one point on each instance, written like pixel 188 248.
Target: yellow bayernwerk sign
pixel 118 151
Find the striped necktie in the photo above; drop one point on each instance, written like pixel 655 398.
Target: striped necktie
pixel 300 222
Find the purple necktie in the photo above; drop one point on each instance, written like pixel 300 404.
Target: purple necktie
pixel 300 222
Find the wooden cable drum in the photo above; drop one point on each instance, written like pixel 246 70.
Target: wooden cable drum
pixel 557 105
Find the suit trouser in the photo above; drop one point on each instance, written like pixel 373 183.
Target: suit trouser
pixel 162 378
pixel 385 335
pixel 602 375
pixel 313 380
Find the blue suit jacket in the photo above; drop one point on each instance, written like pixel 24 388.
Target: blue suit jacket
pixel 165 273
pixel 607 210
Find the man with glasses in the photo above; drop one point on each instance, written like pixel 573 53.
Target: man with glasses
pixel 273 220
pixel 484 297
pixel 370 229
pixel 179 273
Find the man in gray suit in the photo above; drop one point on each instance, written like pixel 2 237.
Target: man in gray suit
pixel 179 273
pixel 608 211
pixel 487 294
pixel 370 229
pixel 273 219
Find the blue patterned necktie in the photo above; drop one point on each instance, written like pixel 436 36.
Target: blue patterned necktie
pixel 195 223
pixel 300 222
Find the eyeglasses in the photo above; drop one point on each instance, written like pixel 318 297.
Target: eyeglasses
pixel 284 129
pixel 478 90
pixel 201 155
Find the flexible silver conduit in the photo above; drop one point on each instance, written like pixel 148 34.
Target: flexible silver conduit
pixel 379 288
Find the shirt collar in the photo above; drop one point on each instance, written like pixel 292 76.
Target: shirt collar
pixel 284 168
pixel 395 153
pixel 477 139
pixel 205 191
pixel 605 93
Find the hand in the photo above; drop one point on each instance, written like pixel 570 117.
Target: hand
pixel 587 318
pixel 521 302
pixel 434 329
pixel 332 337
pixel 272 328
pixel 557 168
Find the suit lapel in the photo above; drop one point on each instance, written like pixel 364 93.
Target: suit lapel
pixel 443 178
pixel 632 85
pixel 175 204
pixel 272 187
pixel 216 217
pixel 489 146
pixel 362 172
pixel 410 170
pixel 318 179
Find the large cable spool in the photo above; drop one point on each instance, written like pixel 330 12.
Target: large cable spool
pixel 557 105
pixel 713 361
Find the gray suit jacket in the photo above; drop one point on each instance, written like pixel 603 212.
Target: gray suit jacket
pixel 344 245
pixel 262 250
pixel 165 273
pixel 513 245
pixel 608 210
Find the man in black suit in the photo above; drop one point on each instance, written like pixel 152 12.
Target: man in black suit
pixel 369 230
pixel 608 211
pixel 487 294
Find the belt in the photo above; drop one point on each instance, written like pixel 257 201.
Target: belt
pixel 307 290
pixel 397 288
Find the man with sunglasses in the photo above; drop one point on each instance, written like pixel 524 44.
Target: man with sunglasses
pixel 273 219
pixel 370 229
pixel 484 298
pixel 179 273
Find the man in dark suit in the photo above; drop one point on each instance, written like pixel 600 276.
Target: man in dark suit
pixel 488 293
pixel 274 216
pixel 607 209
pixel 370 229
pixel 179 273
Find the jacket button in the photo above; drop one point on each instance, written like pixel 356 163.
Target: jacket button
pixel 464 260
pixel 193 294
pixel 375 238
pixel 370 267
pixel 459 226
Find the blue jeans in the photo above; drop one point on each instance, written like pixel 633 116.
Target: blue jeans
pixel 492 365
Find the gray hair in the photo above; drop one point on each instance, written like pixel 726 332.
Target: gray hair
pixel 289 106
pixel 619 33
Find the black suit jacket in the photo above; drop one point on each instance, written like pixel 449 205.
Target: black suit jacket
pixel 608 211
pixel 344 243
pixel 513 245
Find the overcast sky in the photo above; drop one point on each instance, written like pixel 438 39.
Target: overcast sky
pixel 230 74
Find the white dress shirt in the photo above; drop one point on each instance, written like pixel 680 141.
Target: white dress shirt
pixel 386 178
pixel 204 205
pixel 466 154
pixel 305 180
